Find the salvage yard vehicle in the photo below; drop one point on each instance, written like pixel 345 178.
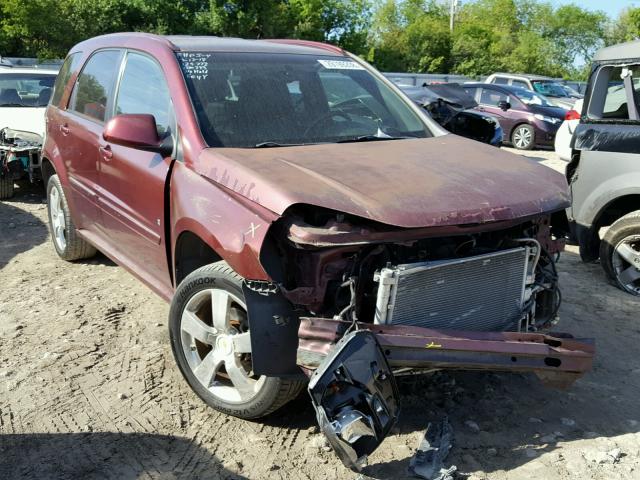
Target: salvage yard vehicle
pixel 604 172
pixel 305 219
pixel 452 107
pixel 527 118
pixel 557 94
pixel 19 157
pixel 564 135
pixel 24 94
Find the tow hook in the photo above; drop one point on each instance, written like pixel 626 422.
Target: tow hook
pixel 355 397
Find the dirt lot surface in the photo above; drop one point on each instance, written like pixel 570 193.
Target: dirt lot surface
pixel 89 389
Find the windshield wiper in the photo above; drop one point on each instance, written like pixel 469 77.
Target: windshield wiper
pixel 370 138
pixel 276 144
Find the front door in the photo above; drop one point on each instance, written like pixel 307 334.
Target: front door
pixel 488 102
pixel 132 182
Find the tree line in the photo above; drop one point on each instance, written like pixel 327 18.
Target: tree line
pixel 395 35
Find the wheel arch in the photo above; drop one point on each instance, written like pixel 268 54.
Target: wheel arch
pixel 48 170
pixel 190 253
pixel 617 208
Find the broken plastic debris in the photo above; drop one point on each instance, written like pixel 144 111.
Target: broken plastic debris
pixel 434 447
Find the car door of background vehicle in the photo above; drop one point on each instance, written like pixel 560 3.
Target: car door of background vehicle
pixel 131 189
pixel 488 102
pixel 608 138
pixel 80 130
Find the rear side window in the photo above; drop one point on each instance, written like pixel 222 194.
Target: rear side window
pixel 143 89
pixel 68 67
pixel 520 83
pixel 610 97
pixel 95 84
pixel 501 80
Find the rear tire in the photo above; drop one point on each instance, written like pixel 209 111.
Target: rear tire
pixel 69 245
pixel 620 253
pixel 6 187
pixel 523 137
pixel 210 340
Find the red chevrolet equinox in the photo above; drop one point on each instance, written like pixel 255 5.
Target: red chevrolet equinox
pixel 307 222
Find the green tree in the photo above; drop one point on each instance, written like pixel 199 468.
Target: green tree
pixel 624 28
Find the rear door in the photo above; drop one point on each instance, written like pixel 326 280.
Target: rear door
pixel 132 182
pixel 80 131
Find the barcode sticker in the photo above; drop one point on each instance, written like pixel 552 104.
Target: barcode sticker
pixel 340 64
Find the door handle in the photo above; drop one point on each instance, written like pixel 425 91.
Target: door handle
pixel 106 152
pixel 64 129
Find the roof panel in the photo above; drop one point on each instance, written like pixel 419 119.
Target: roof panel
pixel 622 51
pixel 225 44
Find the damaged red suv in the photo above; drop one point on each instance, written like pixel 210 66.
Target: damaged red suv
pixel 304 219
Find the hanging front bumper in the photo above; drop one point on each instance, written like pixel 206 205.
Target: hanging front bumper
pixel 557 359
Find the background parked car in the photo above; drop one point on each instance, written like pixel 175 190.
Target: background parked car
pixel 546 86
pixel 579 87
pixel 527 118
pixel 564 134
pixel 604 174
pixel 24 95
pixel 452 107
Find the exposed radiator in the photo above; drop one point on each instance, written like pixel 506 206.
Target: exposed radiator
pixel 484 292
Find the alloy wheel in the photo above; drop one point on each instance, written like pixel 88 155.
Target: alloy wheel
pixel 58 222
pixel 216 343
pixel 626 263
pixel 522 138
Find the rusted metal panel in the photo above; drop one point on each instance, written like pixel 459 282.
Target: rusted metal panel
pixel 439 181
pixel 557 359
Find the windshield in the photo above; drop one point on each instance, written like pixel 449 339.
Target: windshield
pixel 258 100
pixel 25 89
pixel 531 98
pixel 550 89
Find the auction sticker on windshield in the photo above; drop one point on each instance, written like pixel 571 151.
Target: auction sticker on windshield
pixel 340 65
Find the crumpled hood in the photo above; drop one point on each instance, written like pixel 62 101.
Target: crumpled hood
pixel 440 181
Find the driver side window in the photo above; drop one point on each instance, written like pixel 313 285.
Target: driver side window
pixel 143 89
pixel 492 97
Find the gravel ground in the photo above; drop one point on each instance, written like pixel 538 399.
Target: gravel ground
pixel 89 389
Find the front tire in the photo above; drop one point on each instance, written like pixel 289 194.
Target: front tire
pixel 523 137
pixel 68 244
pixel 6 187
pixel 620 253
pixel 209 332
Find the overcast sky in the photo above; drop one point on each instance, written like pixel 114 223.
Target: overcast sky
pixel 612 7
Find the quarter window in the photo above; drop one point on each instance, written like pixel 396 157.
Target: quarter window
pixel 501 80
pixel 95 84
pixel 143 89
pixel 68 67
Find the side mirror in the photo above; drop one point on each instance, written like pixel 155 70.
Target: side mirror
pixel 137 131
pixel 504 105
